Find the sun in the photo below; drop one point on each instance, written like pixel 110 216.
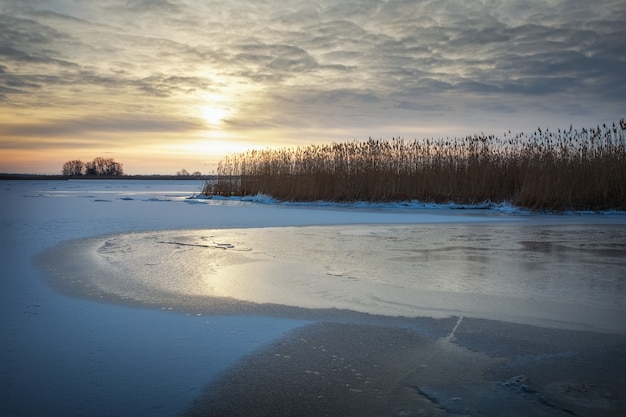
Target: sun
pixel 214 115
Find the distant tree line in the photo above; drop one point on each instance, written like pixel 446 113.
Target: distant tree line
pixel 184 173
pixel 98 167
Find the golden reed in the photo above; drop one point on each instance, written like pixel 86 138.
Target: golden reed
pixel 545 170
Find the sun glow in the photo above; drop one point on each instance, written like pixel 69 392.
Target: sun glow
pixel 215 147
pixel 214 115
pixel 214 108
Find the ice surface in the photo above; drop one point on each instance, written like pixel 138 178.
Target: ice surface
pixel 568 276
pixel 66 356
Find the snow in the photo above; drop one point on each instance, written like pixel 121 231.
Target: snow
pixel 403 205
pixel 67 356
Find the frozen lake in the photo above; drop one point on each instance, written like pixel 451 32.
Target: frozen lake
pixel 70 355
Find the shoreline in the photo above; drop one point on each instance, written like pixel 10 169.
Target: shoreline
pixel 499 205
pixel 55 177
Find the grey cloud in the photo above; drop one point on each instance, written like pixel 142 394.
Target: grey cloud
pixel 110 123
pixel 408 49
pixel 337 31
pixel 423 106
pixel 17 82
pixel 26 41
pixel 496 106
pixel 309 107
pixel 346 10
pixel 610 45
pixel 4 90
pixel 271 52
pixel 344 95
pixel 12 54
pixel 323 53
pixel 17 31
pixel 153 5
pixel 342 56
pixel 165 86
pixel 271 62
pixel 291 59
pixel 43 142
pixel 514 57
pixel 392 46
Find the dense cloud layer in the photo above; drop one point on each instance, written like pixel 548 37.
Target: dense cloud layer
pixel 317 63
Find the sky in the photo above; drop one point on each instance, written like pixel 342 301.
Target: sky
pixel 162 85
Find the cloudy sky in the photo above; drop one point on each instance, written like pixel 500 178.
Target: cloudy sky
pixel 161 85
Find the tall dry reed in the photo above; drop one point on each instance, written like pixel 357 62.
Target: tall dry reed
pixel 566 169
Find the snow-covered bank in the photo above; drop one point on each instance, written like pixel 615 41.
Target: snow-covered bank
pixel 392 205
pixel 492 207
pixel 65 356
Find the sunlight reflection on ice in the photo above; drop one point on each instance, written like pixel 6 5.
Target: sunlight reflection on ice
pixel 561 275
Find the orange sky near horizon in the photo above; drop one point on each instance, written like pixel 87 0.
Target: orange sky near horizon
pixel 163 85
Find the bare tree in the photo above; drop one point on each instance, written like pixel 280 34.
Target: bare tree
pixel 73 168
pixel 114 168
pixel 182 173
pixel 104 167
pixel 90 169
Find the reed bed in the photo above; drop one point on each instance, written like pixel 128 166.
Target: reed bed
pixel 544 170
